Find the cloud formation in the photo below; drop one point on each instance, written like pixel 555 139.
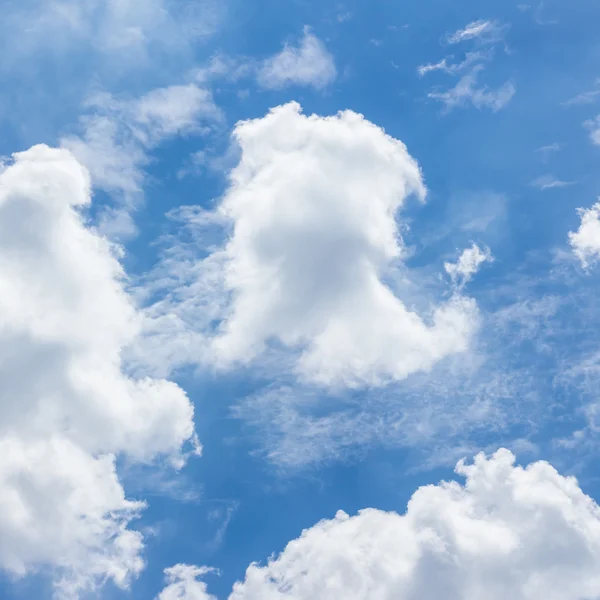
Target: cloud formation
pixel 586 240
pixel 467 265
pixel 508 532
pixel 183 584
pixel 67 405
pixel 466 92
pixel 119 134
pixel 308 64
pixel 312 209
pixel 484 32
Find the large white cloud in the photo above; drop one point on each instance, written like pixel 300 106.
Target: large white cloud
pixel 586 240
pixel 313 203
pixel 67 407
pixel 508 532
pixel 313 262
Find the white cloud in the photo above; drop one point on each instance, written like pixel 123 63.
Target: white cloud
pixel 183 584
pixel 452 68
pixel 548 182
pixel 67 404
pixel 122 35
pixel 586 240
pixel 466 92
pixel 508 532
pixel 485 32
pixel 309 64
pixel 118 136
pixel 548 149
pixel 588 97
pixel 594 127
pixel 312 207
pixel 462 271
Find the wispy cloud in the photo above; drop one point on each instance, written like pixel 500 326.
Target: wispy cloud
pixel 593 125
pixel 309 63
pixel 584 98
pixel 117 136
pixel 485 32
pixel 467 92
pixel 548 182
pixel 544 151
pixel 452 68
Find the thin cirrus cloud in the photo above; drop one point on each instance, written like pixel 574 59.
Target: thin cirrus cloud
pixel 312 213
pixel 482 31
pixel 118 35
pixel 508 532
pixel 548 182
pixel 467 92
pixel 308 64
pixel 69 408
pixel 444 65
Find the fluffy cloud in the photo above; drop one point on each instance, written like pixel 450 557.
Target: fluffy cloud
pixel 467 265
pixel 183 584
pixel 312 208
pixel 508 532
pixel 586 240
pixel 308 64
pixel 67 405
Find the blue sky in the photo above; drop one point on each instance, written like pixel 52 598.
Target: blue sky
pixel 264 262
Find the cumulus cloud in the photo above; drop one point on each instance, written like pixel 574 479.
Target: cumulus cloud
pixel 508 532
pixel 118 135
pixel 183 584
pixel 312 211
pixel 68 407
pixel 466 92
pixel 586 240
pixel 462 271
pixel 308 64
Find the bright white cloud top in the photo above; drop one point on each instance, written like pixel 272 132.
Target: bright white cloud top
pixel 508 532
pixel 586 240
pixel 312 206
pixel 68 406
